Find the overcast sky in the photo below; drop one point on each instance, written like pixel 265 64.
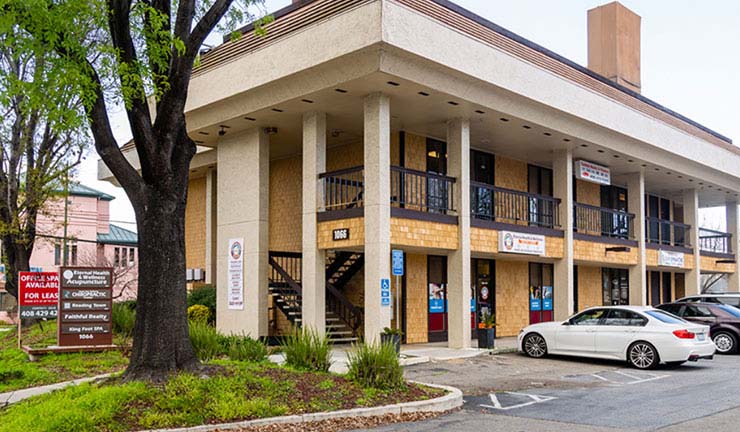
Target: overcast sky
pixel 690 61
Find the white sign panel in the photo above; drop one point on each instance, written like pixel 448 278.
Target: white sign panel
pixel 521 243
pixel 670 259
pixel 592 172
pixel 236 273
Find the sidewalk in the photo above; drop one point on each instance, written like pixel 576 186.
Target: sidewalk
pixel 12 397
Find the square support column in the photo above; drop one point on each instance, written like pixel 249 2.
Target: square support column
pixel 636 205
pixel 563 294
pixel 211 226
pixel 733 227
pixel 243 211
pixel 458 262
pixel 691 217
pixel 313 264
pixel 377 197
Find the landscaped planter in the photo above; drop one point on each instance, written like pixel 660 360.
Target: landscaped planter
pixel 486 337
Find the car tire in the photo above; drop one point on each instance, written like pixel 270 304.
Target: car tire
pixel 534 345
pixel 642 355
pixel 725 342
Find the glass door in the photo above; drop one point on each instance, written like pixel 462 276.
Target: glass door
pixel 437 306
pixel 540 293
pixel 436 164
pixel 484 292
pixel 615 286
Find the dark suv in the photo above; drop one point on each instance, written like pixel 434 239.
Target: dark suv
pixel 723 321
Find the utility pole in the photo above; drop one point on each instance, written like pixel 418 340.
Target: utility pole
pixel 66 207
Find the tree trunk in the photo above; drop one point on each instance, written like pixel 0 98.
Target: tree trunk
pixel 161 340
pixel 17 259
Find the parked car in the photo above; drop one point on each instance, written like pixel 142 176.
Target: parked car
pixel 728 299
pixel 641 335
pixel 723 321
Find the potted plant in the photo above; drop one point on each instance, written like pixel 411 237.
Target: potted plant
pixel 392 336
pixel 487 331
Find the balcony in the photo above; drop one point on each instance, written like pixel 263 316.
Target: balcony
pixel 714 242
pixel 506 206
pixel 603 222
pixel 667 233
pixel 413 194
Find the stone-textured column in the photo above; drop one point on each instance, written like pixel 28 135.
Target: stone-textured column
pixel 243 209
pixel 691 217
pixel 563 294
pixel 211 226
pixel 458 262
pixel 733 227
pixel 377 211
pixel 636 205
pixel 313 270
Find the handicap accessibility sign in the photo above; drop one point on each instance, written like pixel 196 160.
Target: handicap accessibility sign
pixel 385 292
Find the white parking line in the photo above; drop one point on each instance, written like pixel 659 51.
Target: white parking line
pixel 534 400
pixel 639 380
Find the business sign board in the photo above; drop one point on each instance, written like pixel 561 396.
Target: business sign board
pixel 85 303
pixel 38 294
pixel 236 274
pixel 670 258
pixel 521 243
pixel 592 172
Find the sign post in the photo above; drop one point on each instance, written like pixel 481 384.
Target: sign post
pixel 85 306
pixel 38 295
pixel 397 261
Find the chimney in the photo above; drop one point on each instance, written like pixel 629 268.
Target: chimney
pixel 614 44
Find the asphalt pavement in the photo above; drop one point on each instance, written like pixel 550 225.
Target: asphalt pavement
pixel 514 393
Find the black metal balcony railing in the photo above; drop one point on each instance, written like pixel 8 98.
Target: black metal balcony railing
pixel 665 232
pixel 514 207
pixel 422 191
pixel 714 241
pixel 605 222
pixel 342 189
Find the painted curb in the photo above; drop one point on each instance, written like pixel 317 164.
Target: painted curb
pixel 453 399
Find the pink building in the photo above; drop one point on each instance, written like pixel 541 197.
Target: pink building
pixel 91 239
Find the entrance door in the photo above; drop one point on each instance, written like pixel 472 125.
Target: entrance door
pixel 615 286
pixel 540 293
pixel 436 164
pixel 437 307
pixel 484 292
pixel 654 288
pixel 612 224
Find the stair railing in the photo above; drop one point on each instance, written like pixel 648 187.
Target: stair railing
pixel 352 315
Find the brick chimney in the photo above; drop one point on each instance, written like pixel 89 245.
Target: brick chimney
pixel 614 44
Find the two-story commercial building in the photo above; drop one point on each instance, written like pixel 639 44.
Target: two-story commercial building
pixel 515 181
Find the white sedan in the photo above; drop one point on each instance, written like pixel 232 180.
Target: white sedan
pixel 641 335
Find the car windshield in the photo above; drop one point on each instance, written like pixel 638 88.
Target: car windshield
pixel 730 310
pixel 665 317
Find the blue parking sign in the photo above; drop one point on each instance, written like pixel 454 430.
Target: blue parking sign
pixel 397 261
pixel 385 292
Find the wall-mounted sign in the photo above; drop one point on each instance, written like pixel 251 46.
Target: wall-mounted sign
pixel 38 294
pixel 85 304
pixel 236 274
pixel 592 172
pixel 340 234
pixel 385 292
pixel 521 243
pixel 397 262
pixel 670 258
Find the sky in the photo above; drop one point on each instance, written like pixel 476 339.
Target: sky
pixel 689 63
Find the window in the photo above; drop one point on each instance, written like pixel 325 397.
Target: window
pixel 540 292
pixel 131 259
pixel 674 309
pixel 665 317
pixel 541 211
pixel 57 254
pixel 731 310
pixel 697 311
pixel 614 224
pixel 621 317
pixel 482 171
pixel 116 257
pixel 615 286
pixel 73 255
pixel 732 301
pixel 124 257
pixel 589 317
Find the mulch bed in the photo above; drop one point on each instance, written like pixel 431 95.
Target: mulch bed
pixel 343 424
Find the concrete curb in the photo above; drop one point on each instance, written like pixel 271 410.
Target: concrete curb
pixel 14 396
pixel 453 399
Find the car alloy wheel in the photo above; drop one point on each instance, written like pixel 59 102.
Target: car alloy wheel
pixel 725 342
pixel 642 355
pixel 535 345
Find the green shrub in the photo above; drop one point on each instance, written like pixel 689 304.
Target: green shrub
pixel 206 296
pixel 199 313
pixel 375 366
pixel 306 349
pixel 206 340
pixel 244 348
pixel 123 318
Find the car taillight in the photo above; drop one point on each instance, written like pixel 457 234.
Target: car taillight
pixel 683 334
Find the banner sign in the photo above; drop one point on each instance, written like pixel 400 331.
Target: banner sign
pixel 38 294
pixel 670 258
pixel 85 303
pixel 535 299
pixel 592 172
pixel 521 243
pixel 546 298
pixel 437 301
pixel 236 273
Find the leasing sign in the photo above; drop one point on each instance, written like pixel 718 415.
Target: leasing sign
pixel 592 172
pixel 38 294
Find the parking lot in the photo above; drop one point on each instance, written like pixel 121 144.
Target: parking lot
pixel 512 392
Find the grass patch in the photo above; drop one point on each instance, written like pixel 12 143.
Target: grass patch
pixel 375 366
pixel 234 391
pixel 306 349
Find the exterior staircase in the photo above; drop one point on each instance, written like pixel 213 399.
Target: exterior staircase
pixel 343 319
